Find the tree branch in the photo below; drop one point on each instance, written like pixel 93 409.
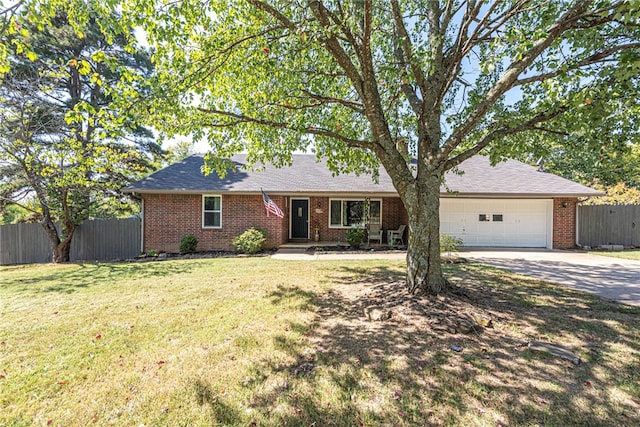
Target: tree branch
pixel 25 207
pixel 7 13
pixel 510 76
pixel 333 46
pixel 241 118
pixel 450 10
pixel 465 43
pixel 405 57
pixel 348 35
pixel 531 124
pixel 491 27
pixel 552 131
pixel 273 12
pixel 354 106
pixel 592 59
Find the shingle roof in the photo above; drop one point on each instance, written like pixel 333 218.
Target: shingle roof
pixel 305 175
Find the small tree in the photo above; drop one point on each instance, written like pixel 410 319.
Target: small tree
pixel 449 244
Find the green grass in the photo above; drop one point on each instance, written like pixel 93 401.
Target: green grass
pixel 256 341
pixel 626 254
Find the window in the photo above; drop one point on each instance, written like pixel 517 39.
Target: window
pixel 489 218
pixel 211 211
pixel 347 213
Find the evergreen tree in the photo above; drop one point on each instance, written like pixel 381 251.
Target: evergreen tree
pixel 63 138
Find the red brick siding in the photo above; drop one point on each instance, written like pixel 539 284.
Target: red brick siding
pixel 320 219
pixel 564 222
pixel 393 215
pixel 169 217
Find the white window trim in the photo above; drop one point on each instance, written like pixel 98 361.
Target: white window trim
pixel 202 211
pixel 350 199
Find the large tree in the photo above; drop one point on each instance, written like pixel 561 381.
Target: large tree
pixel 356 80
pixel 64 142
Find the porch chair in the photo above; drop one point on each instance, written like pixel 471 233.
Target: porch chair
pixel 375 232
pixel 396 235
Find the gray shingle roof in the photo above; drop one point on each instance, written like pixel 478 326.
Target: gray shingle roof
pixel 479 178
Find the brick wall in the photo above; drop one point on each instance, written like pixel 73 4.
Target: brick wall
pixel 564 222
pixel 393 215
pixel 169 217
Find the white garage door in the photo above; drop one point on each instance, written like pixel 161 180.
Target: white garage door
pixel 519 223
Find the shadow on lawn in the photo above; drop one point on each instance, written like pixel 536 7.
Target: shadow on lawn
pixel 286 294
pixel 404 372
pixel 222 412
pixel 86 275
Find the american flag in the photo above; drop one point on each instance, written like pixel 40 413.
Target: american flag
pixel 271 206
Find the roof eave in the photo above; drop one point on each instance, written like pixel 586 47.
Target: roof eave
pixel 368 193
pixel 517 195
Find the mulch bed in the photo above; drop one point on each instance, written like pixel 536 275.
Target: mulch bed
pixel 197 255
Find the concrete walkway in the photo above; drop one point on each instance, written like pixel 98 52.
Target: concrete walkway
pixel 302 255
pixel 612 278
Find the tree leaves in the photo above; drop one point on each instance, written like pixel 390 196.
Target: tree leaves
pixel 62 131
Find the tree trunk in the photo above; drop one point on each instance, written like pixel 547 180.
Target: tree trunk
pixel 61 252
pixel 424 271
pixel 60 249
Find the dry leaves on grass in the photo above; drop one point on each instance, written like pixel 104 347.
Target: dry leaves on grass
pixel 468 348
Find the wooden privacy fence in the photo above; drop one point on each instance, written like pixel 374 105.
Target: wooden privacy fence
pixel 100 239
pixel 609 225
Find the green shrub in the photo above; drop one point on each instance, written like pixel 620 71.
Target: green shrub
pixel 188 244
pixel 355 236
pixel 450 244
pixel 251 241
pixel 151 252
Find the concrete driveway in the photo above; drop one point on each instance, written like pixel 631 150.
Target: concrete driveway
pixel 612 278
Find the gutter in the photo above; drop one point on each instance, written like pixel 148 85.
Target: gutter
pixel 142 226
pixel 443 195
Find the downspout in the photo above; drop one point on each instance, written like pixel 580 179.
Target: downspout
pixel 577 225
pixel 142 225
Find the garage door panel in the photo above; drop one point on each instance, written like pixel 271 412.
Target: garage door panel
pixel 525 223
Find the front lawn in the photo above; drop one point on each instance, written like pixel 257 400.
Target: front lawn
pixel 626 254
pixel 256 341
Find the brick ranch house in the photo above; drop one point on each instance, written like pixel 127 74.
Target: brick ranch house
pixel 508 205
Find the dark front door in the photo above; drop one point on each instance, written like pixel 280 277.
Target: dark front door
pixel 299 219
